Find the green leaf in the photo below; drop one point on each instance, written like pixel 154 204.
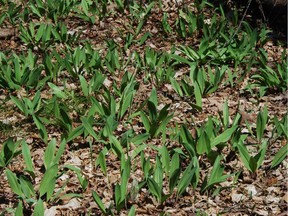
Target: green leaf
pixel 75 133
pixel 165 159
pixel 158 173
pixel 180 59
pixel 88 127
pixel 280 156
pixel 261 155
pixel 47 184
pixel 244 154
pixel 60 151
pixel 224 137
pixel 40 32
pixel 139 149
pixel 118 198
pixel 57 91
pixel 116 146
pixel 262 118
pixel 226 114
pixel 216 175
pixel 139 139
pixel 154 188
pixel 153 97
pixel 126 103
pixel 173 179
pixel 84 85
pixel 253 164
pixel 132 211
pixel 99 202
pixel 13 182
pixel 145 121
pixel 27 158
pixel 203 144
pixel 125 174
pixel 198 95
pixel 102 162
pixel 19 209
pixel 8 151
pixel 50 154
pixel 39 208
pixel 20 105
pixel 26 186
pixel 41 127
pixel 185 179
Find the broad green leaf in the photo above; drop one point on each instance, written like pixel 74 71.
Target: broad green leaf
pixel 75 133
pixel 152 110
pixel 40 32
pixel 19 209
pixel 125 175
pixel 57 91
pixel 88 127
pixel 132 211
pixel 13 182
pixel 60 151
pixel 186 136
pixel 185 180
pixel 196 176
pixel 261 123
pixel 175 163
pixel 216 175
pixel 173 179
pixel 20 105
pixel 145 121
pixel 153 97
pixel 27 158
pixel 126 103
pixel 253 164
pixel 261 155
pixel 224 137
pixel 41 127
pixel 280 156
pixel 102 162
pixel 165 159
pixel 118 198
pixel 163 126
pixel 99 202
pixel 26 186
pixel 226 114
pixel 154 188
pixel 84 85
pixel 8 151
pixel 47 184
pixel 139 139
pixel 217 170
pixel 138 150
pixel 198 95
pixel 116 146
pixel 158 173
pixel 244 154
pixel 203 144
pixel 50 154
pixel 39 208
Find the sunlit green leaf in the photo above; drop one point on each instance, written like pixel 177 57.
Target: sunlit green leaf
pixel 280 156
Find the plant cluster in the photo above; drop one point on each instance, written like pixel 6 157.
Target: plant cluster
pixel 103 107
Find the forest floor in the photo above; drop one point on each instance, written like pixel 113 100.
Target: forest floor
pixel 141 53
